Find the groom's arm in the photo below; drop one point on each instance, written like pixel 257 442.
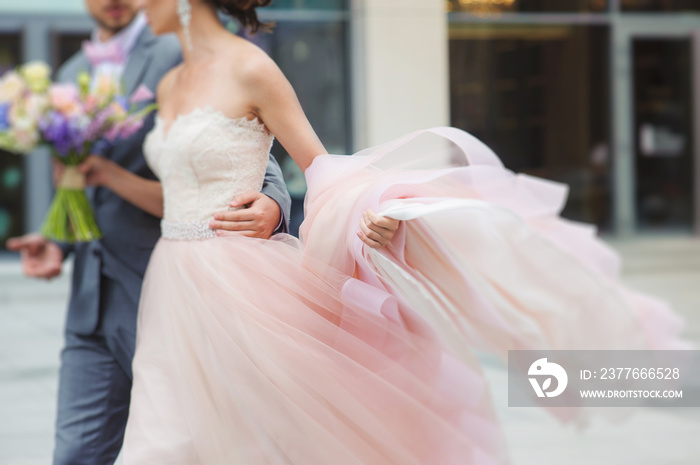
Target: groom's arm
pixel 258 214
pixel 275 188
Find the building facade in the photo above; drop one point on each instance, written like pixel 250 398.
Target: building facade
pixel 601 94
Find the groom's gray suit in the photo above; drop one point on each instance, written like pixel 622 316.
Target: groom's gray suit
pixel 95 377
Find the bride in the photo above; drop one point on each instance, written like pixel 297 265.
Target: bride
pixel 273 352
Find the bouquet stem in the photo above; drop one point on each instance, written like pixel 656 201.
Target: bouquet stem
pixel 70 218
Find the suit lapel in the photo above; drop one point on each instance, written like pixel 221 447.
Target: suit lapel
pixel 82 64
pixel 138 61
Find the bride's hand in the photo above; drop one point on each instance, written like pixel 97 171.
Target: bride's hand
pixel 260 217
pixel 376 231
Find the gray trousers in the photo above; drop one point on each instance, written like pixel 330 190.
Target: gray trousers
pixel 95 383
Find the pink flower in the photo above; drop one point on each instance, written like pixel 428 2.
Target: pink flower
pixel 90 103
pixel 65 98
pixel 141 94
pixel 112 133
pixel 97 125
pixel 130 127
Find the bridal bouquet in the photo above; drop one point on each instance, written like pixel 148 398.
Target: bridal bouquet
pixel 74 120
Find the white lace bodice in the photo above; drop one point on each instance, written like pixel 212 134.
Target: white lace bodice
pixel 203 160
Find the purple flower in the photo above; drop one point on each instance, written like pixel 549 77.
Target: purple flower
pixel 97 125
pixel 64 134
pixel 54 129
pixel 4 117
pixel 77 131
pixel 123 102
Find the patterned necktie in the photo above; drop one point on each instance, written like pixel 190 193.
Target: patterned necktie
pixel 103 53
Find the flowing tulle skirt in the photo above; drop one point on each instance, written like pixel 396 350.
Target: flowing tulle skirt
pixel 269 352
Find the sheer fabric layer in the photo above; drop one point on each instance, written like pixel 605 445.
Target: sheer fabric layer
pixel 273 352
pixel 245 356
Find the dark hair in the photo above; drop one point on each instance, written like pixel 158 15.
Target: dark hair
pixel 244 11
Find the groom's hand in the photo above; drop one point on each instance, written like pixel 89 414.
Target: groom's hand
pixel 41 258
pixel 259 216
pixel 57 171
pixel 98 170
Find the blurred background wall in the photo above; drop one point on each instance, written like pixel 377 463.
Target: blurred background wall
pixel 601 94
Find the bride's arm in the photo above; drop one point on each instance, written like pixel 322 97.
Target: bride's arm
pixel 143 193
pixel 274 101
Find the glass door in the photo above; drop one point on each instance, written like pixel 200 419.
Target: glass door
pixel 656 110
pixel 662 76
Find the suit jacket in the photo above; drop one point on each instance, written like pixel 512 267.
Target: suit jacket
pixel 129 234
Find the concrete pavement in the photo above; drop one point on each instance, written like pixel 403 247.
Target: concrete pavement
pixel 31 320
pixel 32 314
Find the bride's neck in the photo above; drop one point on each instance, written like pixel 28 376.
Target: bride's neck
pixel 206 31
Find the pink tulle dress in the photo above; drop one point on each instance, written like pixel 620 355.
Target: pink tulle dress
pixel 320 352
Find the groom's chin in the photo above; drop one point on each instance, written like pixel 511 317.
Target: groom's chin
pixel 161 16
pixel 157 30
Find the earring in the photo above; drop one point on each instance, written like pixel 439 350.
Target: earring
pixel 184 11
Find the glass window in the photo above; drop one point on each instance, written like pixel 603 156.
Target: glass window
pixel 664 143
pixel 530 6
pixel 312 56
pixel 660 5
pixel 539 97
pixel 12 173
pixel 64 45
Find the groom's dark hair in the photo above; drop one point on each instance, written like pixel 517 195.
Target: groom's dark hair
pixel 244 11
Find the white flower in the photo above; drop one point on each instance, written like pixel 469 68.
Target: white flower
pixel 25 133
pixel 25 141
pixel 11 87
pixel 37 74
pixel 35 106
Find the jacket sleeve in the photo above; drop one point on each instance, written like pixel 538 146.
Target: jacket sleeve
pixel 66 248
pixel 275 188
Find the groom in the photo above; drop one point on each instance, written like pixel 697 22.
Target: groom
pixel 95 377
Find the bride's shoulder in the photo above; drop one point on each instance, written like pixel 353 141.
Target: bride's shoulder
pixel 254 71
pixel 251 64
